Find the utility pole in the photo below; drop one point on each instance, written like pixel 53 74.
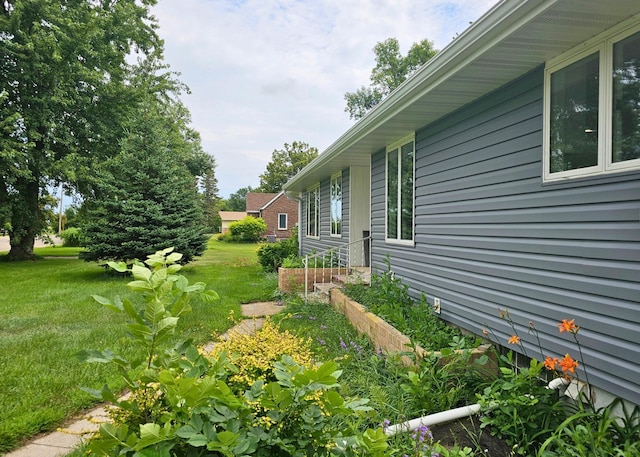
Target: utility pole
pixel 60 211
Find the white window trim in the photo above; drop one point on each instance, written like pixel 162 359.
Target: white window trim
pixel 397 241
pixel 602 44
pixel 334 177
pixel 286 221
pixel 307 215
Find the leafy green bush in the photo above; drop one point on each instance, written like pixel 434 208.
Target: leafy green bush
pixel 181 402
pixel 272 255
pixel 71 237
pixel 389 298
pixel 249 229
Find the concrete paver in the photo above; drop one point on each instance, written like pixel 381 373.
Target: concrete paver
pixel 68 438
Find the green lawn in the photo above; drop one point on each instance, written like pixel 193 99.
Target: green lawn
pixel 47 315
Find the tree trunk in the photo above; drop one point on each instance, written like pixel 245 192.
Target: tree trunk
pixel 26 222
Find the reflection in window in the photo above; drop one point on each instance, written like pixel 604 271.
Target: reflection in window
pixel 626 99
pixel 400 190
pixel 313 213
pixel 336 205
pixel 574 115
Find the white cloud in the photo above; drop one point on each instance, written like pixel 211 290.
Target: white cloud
pixel 268 72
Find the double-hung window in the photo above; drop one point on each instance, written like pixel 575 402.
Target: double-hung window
pixel 400 190
pixel 336 205
pixel 592 108
pixel 313 212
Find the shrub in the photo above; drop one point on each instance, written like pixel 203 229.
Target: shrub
pixel 272 255
pixel 249 229
pixel 254 354
pixel 71 237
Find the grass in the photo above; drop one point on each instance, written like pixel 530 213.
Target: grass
pixel 48 315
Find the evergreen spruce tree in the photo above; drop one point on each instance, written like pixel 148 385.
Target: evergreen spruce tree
pixel 147 199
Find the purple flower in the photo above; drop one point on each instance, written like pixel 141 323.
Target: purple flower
pixel 312 318
pixel 343 345
pixel 323 327
pixel 385 424
pixel 321 342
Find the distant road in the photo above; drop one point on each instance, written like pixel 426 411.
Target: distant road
pixel 5 246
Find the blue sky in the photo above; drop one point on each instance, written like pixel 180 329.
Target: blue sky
pixel 267 72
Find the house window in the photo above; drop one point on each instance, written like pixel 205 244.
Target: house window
pixel 336 205
pixel 313 212
pixel 400 190
pixel 282 221
pixel 592 108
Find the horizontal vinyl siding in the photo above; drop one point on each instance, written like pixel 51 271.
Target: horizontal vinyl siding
pixel 326 241
pixel 489 234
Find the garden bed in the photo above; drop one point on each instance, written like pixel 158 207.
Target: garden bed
pixel 388 339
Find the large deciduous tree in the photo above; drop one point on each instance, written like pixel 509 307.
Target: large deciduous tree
pixel 391 70
pixel 284 164
pixel 63 68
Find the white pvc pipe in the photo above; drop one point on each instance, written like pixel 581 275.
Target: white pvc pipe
pixel 433 419
pixel 453 414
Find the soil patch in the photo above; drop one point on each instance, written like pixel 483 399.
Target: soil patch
pixel 467 433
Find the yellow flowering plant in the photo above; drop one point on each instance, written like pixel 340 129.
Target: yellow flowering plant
pixel 253 354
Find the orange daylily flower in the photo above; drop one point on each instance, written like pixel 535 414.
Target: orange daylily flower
pixel 550 363
pixel 568 326
pixel 515 339
pixel 567 364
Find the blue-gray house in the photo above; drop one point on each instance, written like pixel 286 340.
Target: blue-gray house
pixel 505 173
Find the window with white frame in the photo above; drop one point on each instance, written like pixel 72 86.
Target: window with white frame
pixel 282 221
pixel 336 205
pixel 400 191
pixel 592 108
pixel 313 212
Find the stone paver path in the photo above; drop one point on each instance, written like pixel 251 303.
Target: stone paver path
pixel 68 438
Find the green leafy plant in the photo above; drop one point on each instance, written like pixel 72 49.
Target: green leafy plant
pixel 519 407
pixel 389 298
pixel 182 403
pixel 272 255
pixel 596 433
pixel 449 373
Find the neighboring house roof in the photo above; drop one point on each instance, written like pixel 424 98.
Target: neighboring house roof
pixel 257 201
pixel 513 38
pixel 232 215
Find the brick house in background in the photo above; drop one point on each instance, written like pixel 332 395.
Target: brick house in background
pixel 278 211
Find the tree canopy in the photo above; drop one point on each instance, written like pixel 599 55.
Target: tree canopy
pixel 237 201
pixel 391 70
pixel 284 164
pixel 68 94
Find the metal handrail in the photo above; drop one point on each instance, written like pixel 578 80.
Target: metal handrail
pixel 344 256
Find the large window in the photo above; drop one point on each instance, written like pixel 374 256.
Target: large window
pixel 313 212
pixel 336 205
pixel 400 188
pixel 592 108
